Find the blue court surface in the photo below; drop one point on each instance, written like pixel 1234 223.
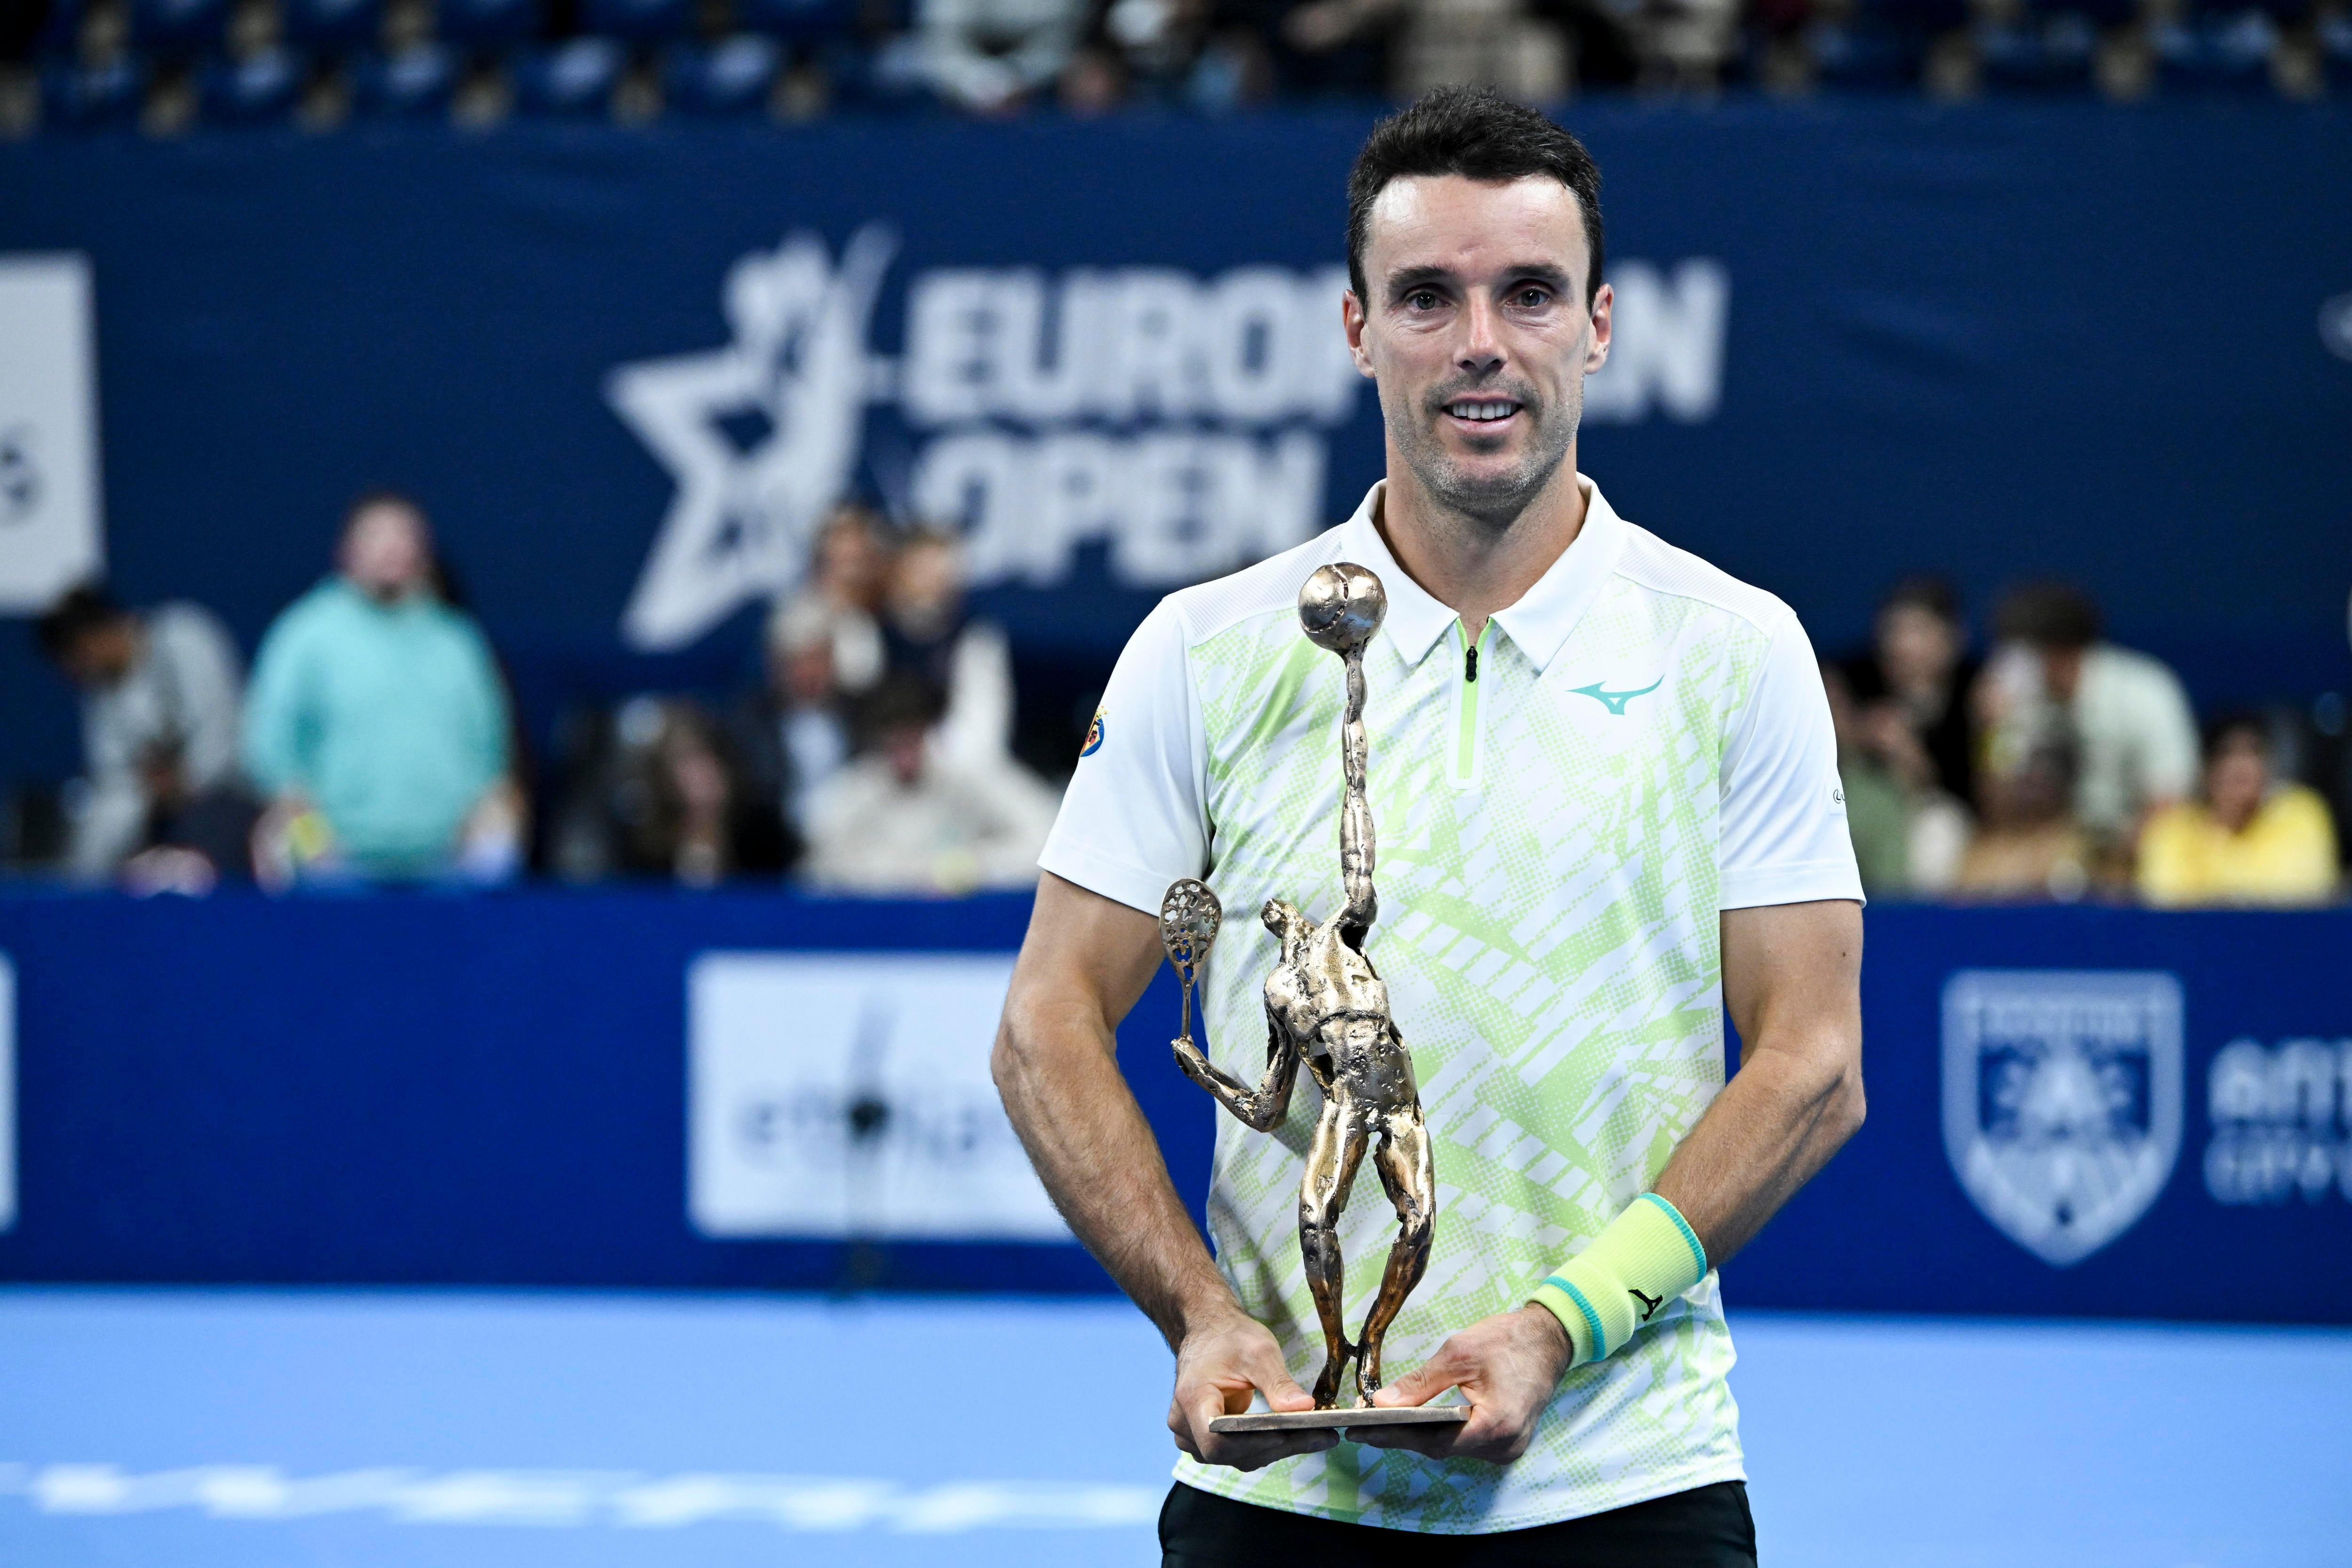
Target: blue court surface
pixel 200 1428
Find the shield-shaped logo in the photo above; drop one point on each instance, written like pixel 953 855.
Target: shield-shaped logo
pixel 2062 1100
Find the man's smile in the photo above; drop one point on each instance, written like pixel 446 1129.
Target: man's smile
pixel 1488 415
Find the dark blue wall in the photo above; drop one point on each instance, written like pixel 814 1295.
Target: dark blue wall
pixel 2001 338
pixel 420 1089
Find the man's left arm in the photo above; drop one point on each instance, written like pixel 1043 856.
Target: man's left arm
pixel 1793 983
pixel 1792 980
pixel 1791 928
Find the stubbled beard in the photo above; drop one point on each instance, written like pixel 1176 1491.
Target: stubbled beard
pixel 1492 500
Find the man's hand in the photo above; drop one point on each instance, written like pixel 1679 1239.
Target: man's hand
pixel 1508 1365
pixel 1217 1366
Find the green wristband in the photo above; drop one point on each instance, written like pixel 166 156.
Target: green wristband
pixel 1641 1260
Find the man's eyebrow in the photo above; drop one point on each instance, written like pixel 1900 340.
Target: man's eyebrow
pixel 1412 278
pixel 1550 274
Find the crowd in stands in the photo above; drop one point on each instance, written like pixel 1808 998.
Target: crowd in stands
pixel 166 65
pixel 2062 767
pixel 377 741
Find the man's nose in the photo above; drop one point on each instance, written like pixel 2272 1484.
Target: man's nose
pixel 1481 352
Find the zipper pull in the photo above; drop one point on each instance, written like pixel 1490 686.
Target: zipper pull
pixel 1470 664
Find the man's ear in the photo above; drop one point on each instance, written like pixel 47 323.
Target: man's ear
pixel 1605 301
pixel 1352 322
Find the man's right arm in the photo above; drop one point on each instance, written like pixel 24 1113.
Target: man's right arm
pixel 1085 962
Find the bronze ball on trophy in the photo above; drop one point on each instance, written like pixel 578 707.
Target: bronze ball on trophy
pixel 1340 608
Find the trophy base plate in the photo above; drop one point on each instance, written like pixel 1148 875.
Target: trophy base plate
pixel 1309 1420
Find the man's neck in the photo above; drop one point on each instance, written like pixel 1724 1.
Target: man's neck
pixel 1470 566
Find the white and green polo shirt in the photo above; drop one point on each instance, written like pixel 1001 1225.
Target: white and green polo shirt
pixel 1639 743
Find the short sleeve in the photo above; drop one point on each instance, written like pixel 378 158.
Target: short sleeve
pixel 2169 737
pixel 1133 820
pixel 1784 834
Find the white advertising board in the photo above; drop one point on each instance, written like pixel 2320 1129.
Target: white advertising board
pixel 50 537
pixel 848 1095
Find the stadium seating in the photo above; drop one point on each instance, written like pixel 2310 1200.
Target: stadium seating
pixel 58 29
pixel 261 89
pixel 2046 53
pixel 213 58
pixel 331 25
pixel 96 97
pixel 572 79
pixel 179 27
pixel 639 21
pixel 2216 53
pixel 799 20
pixel 488 24
pixel 732 77
pixel 411 84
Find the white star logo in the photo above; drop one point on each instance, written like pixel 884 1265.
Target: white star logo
pixel 740 526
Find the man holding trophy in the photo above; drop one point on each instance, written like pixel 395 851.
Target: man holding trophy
pixel 1585 797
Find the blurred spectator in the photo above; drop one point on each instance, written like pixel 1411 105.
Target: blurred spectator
pixel 160 696
pixel 1341 47
pixel 989 56
pixel 1485 43
pixel 2030 846
pixel 1919 663
pixel 681 810
pixel 906 817
pixel 1094 82
pixel 793 734
pixel 377 723
pixel 1908 835
pixel 927 632
pixel 2131 724
pixel 1186 53
pixel 848 569
pixel 2251 839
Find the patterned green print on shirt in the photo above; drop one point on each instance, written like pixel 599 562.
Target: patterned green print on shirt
pixel 1548 930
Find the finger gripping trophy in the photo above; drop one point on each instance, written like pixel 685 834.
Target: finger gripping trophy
pixel 1325 1003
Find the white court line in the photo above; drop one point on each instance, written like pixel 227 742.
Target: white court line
pixel 621 1498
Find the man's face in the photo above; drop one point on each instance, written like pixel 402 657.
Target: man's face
pixel 2236 780
pixel 102 655
pixel 1478 335
pixel 386 551
pixel 1917 648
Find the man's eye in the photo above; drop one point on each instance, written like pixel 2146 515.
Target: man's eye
pixel 1421 299
pixel 1530 299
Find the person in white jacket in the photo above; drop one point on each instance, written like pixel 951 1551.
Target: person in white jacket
pixel 2133 729
pixel 906 818
pixel 160 694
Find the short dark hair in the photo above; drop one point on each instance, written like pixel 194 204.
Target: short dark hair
pixel 1479 135
pixel 900 701
pixel 2048 613
pixel 83 610
pixel 2223 728
pixel 1929 591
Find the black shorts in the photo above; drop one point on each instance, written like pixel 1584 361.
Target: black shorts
pixel 1707 1527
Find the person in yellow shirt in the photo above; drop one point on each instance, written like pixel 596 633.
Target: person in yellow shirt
pixel 2248 842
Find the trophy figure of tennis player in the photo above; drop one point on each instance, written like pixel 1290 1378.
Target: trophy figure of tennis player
pixel 1326 1005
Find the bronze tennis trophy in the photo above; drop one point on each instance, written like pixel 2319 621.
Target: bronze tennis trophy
pixel 1326 1005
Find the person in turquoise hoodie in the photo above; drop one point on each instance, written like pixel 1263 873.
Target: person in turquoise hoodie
pixel 377 724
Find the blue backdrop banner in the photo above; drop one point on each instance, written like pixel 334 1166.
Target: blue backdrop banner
pixel 2087 1112
pixel 625 369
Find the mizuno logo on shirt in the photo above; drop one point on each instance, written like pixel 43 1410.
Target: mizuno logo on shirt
pixel 1615 700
